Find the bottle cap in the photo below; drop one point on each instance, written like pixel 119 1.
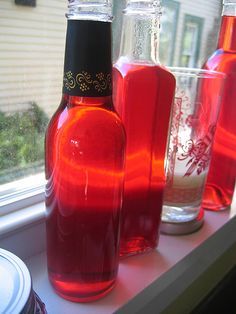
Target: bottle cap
pixel 154 2
pixel 16 293
pixel 100 10
pixel 91 2
pixel 229 2
pixel 144 6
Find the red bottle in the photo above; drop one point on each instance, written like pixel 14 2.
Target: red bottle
pixel 143 95
pixel 85 144
pixel 221 178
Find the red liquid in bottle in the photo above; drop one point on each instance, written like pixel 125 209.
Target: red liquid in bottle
pixel 84 167
pixel 221 178
pixel 143 96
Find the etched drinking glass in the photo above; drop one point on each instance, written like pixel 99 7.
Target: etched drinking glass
pixel 194 118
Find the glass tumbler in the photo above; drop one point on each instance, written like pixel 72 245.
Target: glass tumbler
pixel 194 118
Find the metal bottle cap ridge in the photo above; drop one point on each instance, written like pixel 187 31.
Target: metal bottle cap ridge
pixel 15 285
pixel 229 2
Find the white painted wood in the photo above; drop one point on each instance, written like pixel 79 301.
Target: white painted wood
pixel 32 44
pixel 208 10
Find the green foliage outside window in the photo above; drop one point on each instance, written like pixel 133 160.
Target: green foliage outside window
pixel 22 142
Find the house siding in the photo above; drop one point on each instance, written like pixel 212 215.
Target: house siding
pixel 210 12
pixel 32 42
pixel 31 54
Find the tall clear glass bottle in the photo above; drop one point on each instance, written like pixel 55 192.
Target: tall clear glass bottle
pixel 143 95
pixel 221 178
pixel 85 144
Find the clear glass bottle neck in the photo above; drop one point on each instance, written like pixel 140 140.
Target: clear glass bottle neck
pixel 229 8
pixel 140 34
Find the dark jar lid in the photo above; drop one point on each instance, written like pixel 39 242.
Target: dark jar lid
pixel 16 293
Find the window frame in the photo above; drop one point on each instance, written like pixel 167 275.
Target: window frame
pixel 13 201
pixel 14 197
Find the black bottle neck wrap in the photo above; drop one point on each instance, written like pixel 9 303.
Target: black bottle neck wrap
pixel 87 65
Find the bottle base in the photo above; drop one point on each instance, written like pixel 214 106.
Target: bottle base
pixel 180 213
pixel 81 292
pixel 135 246
pixel 183 227
pixel 215 199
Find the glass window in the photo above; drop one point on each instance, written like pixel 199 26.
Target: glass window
pixel 32 41
pixel 169 22
pixel 191 41
pixel 118 7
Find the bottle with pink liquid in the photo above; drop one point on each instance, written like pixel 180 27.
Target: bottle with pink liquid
pixel 143 95
pixel 85 144
pixel 221 178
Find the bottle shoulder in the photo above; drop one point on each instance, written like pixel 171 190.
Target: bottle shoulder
pixel 147 71
pixel 221 60
pixel 82 118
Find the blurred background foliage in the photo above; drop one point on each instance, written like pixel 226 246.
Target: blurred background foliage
pixel 22 141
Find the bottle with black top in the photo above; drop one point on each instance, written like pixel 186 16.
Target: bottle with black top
pixel 85 143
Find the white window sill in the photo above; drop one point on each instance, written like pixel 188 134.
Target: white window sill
pixel 23 231
pixel 19 219
pixel 21 193
pixel 174 278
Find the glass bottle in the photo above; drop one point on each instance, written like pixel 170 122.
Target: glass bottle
pixel 143 95
pixel 85 144
pixel 221 178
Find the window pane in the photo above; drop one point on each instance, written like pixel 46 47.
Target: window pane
pixel 31 66
pixel 169 22
pixel 192 34
pixel 32 40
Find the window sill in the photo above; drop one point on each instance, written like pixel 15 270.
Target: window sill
pixel 22 231
pixel 21 193
pixel 19 219
pixel 175 278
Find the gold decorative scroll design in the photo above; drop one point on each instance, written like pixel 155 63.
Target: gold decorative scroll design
pixel 85 81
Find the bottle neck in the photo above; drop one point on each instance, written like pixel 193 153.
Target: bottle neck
pixel 72 101
pixel 140 35
pixel 227 36
pixel 87 64
pixel 229 8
